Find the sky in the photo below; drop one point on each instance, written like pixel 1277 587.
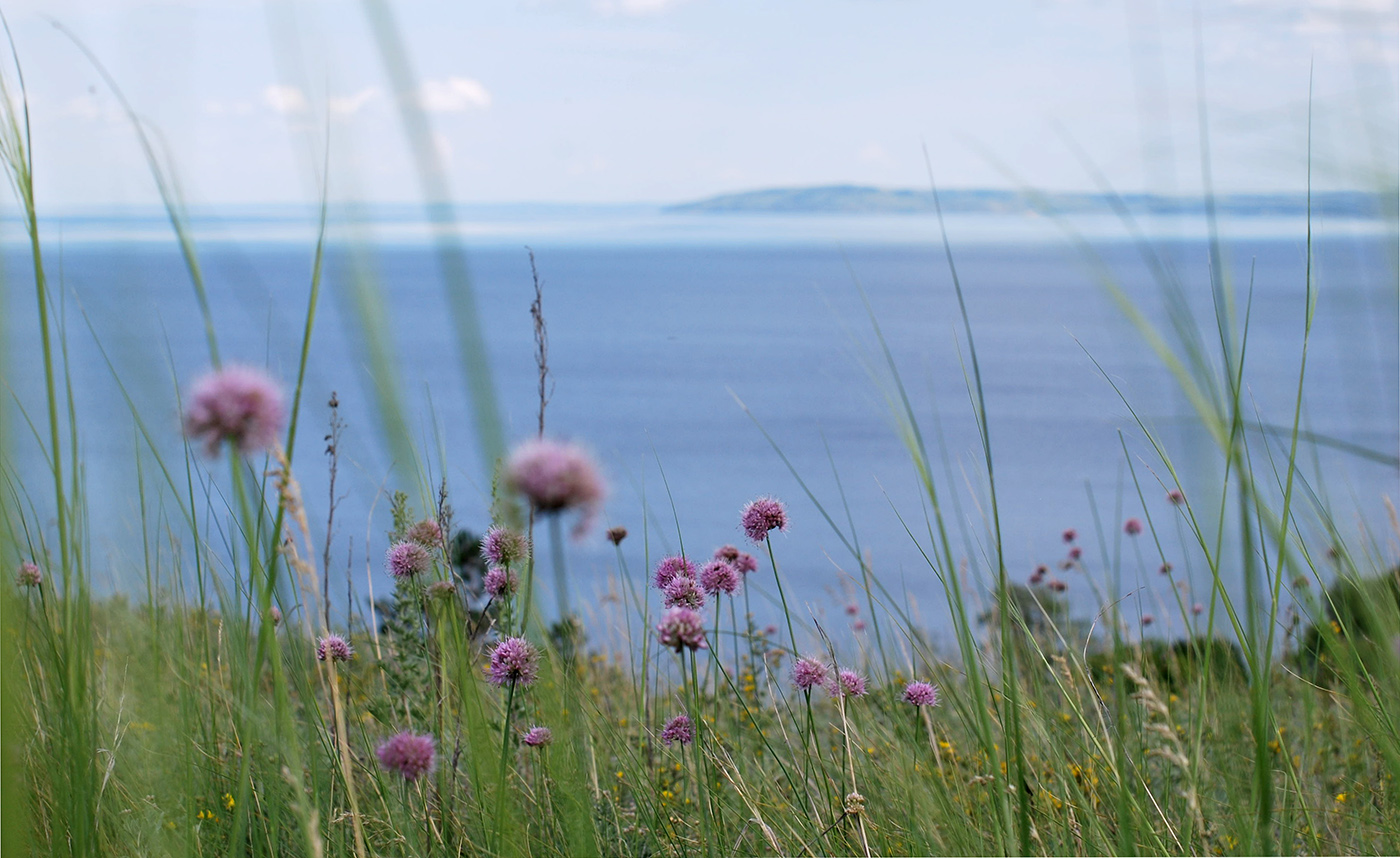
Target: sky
pixel 613 101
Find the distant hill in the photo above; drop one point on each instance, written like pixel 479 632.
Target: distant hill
pixel 856 199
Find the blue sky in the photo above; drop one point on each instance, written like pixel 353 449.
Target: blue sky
pixel 667 100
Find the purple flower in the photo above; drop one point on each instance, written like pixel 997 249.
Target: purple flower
pixel 847 683
pixel 681 627
pixel 334 648
pixel 426 533
pixel 678 730
pixel 683 592
pixel 237 404
pixel 1147 619
pixel 555 477
pixel 504 547
pixel 407 559
pixel 1197 608
pixel 615 535
pixel 1075 553
pixel 719 577
pixel 921 694
pixel 1069 535
pixel 808 673
pixel 1132 527
pixel 274 613
pixel 29 574
pixel 1057 585
pixel 672 567
pixel 763 515
pixel 514 661
pixel 740 560
pixel 852 609
pixel 1165 569
pixel 501 582
pixel 537 737
pixel 408 754
pixel 1175 497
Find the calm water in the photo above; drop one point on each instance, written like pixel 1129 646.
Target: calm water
pixel 652 340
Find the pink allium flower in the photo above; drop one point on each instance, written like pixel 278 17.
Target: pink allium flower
pixel 1147 619
pixel 740 560
pixel 334 648
pixel 1165 569
pixel 504 547
pixel 680 628
pixel 1132 527
pixel 684 592
pixel 274 613
pixel 808 673
pixel 672 567
pixel 616 534
pixel 769 631
pixel 763 515
pixel 29 574
pixel 514 661
pixel 1075 553
pixel 408 755
pixel 537 737
pixel 719 577
pixel 426 533
pixel 500 582
pixel 852 610
pixel 555 477
pixel 1175 497
pixel 846 683
pixel 678 730
pixel 1057 585
pixel 1069 535
pixel 858 625
pixel 1197 608
pixel 1036 578
pixel 237 404
pixel 407 559
pixel 921 694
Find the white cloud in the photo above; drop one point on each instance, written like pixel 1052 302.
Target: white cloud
pixel 453 95
pixel 348 105
pixel 284 99
pixel 634 7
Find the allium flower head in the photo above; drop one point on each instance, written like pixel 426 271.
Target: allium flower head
pixel 1132 527
pixel 1147 619
pixel 407 559
pixel 680 628
pixel 1175 497
pixel 29 574
pixel 514 661
pixel 719 577
pixel 678 731
pixel 237 404
pixel 1165 569
pixel 763 515
pixel 408 754
pixel 1197 608
pixel 616 534
pixel 274 613
pixel 500 582
pixel 846 683
pixel 672 567
pixel 683 592
pixel 334 648
pixel 808 673
pixel 1069 534
pixel 504 547
pixel 426 533
pixel 742 561
pixel 555 477
pixel 921 694
pixel 537 737
pixel 1057 585
pixel 1075 553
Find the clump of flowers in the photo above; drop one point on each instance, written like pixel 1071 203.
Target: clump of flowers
pixel 500 582
pixel 505 547
pixel 763 515
pixel 678 731
pixel 29 574
pixel 514 661
pixel 426 533
pixel 1132 527
pixel 237 404
pixel 683 592
pixel 719 577
pixel 537 737
pixel 742 561
pixel 616 534
pixel 556 476
pixel 408 755
pixel 681 628
pixel 846 683
pixel 808 673
pixel 334 648
pixel 407 560
pixel 670 568
pixel 921 694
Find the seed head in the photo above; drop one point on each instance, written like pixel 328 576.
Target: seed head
pixel 407 754
pixel 237 404
pixel 719 577
pixel 407 559
pixel 514 661
pixel 921 694
pixel 763 515
pixel 501 582
pixel 334 648
pixel 678 730
pixel 808 673
pixel 681 628
pixel 29 574
pixel 617 534
pixel 537 737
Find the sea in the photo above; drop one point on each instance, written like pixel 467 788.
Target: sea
pixel 709 359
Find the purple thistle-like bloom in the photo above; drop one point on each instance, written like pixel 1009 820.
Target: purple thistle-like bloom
pixel 1175 497
pixel 1165 569
pixel 500 582
pixel 921 694
pixel 763 515
pixel 408 754
pixel 670 568
pixel 847 683
pixel 1197 608
pixel 1069 535
pixel 504 547
pixel 683 592
pixel 426 533
pixel 407 559
pixel 681 627
pixel 555 477
pixel 237 404
pixel 678 730
pixel 719 577
pixel 1132 527
pixel 334 648
pixel 808 673
pixel 537 737
pixel 514 661
pixel 29 574
pixel 742 561
pixel 1147 619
